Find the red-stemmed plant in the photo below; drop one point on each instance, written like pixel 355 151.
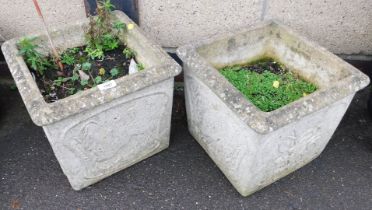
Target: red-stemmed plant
pixel 54 50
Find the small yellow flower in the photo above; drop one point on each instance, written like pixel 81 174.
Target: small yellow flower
pixel 305 94
pixel 102 71
pixel 276 84
pixel 130 26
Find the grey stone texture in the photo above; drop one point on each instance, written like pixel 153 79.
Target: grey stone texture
pixel 19 18
pixel 98 132
pixel 344 27
pixel 254 148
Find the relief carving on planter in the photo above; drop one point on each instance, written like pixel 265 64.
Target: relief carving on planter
pixel 192 91
pixel 297 144
pixel 239 150
pixel 287 153
pixel 116 137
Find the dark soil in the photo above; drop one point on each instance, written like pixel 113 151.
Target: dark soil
pixel 112 59
pixel 265 64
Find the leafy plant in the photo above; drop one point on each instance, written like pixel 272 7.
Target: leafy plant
pixel 98 80
pixel 84 82
pixel 103 35
pixel 75 77
pixel 33 58
pixel 100 36
pixel 119 26
pixel 110 42
pixel 71 91
pixel 67 58
pixel 107 5
pixel 60 80
pixel 140 66
pixel 114 72
pixel 86 66
pixel 128 53
pixel 95 52
pixel 73 50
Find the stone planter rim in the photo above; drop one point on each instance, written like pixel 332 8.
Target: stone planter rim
pixel 43 113
pixel 266 122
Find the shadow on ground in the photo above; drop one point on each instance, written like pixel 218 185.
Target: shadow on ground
pixel 182 177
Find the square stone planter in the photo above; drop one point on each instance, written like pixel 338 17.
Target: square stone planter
pixel 105 129
pixel 255 148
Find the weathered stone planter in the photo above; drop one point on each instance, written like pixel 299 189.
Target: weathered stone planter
pixel 254 148
pixel 103 130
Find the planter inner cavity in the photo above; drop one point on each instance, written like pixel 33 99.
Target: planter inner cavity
pixel 105 56
pixel 267 83
pixel 334 79
pixel 113 65
pixel 158 67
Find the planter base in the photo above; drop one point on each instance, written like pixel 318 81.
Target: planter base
pixel 100 142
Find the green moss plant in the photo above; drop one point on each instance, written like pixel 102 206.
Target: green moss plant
pixel 267 90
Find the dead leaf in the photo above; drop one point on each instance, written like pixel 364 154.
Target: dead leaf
pixel 15 204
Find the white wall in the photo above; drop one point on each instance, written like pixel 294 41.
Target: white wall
pixel 19 17
pixel 343 26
